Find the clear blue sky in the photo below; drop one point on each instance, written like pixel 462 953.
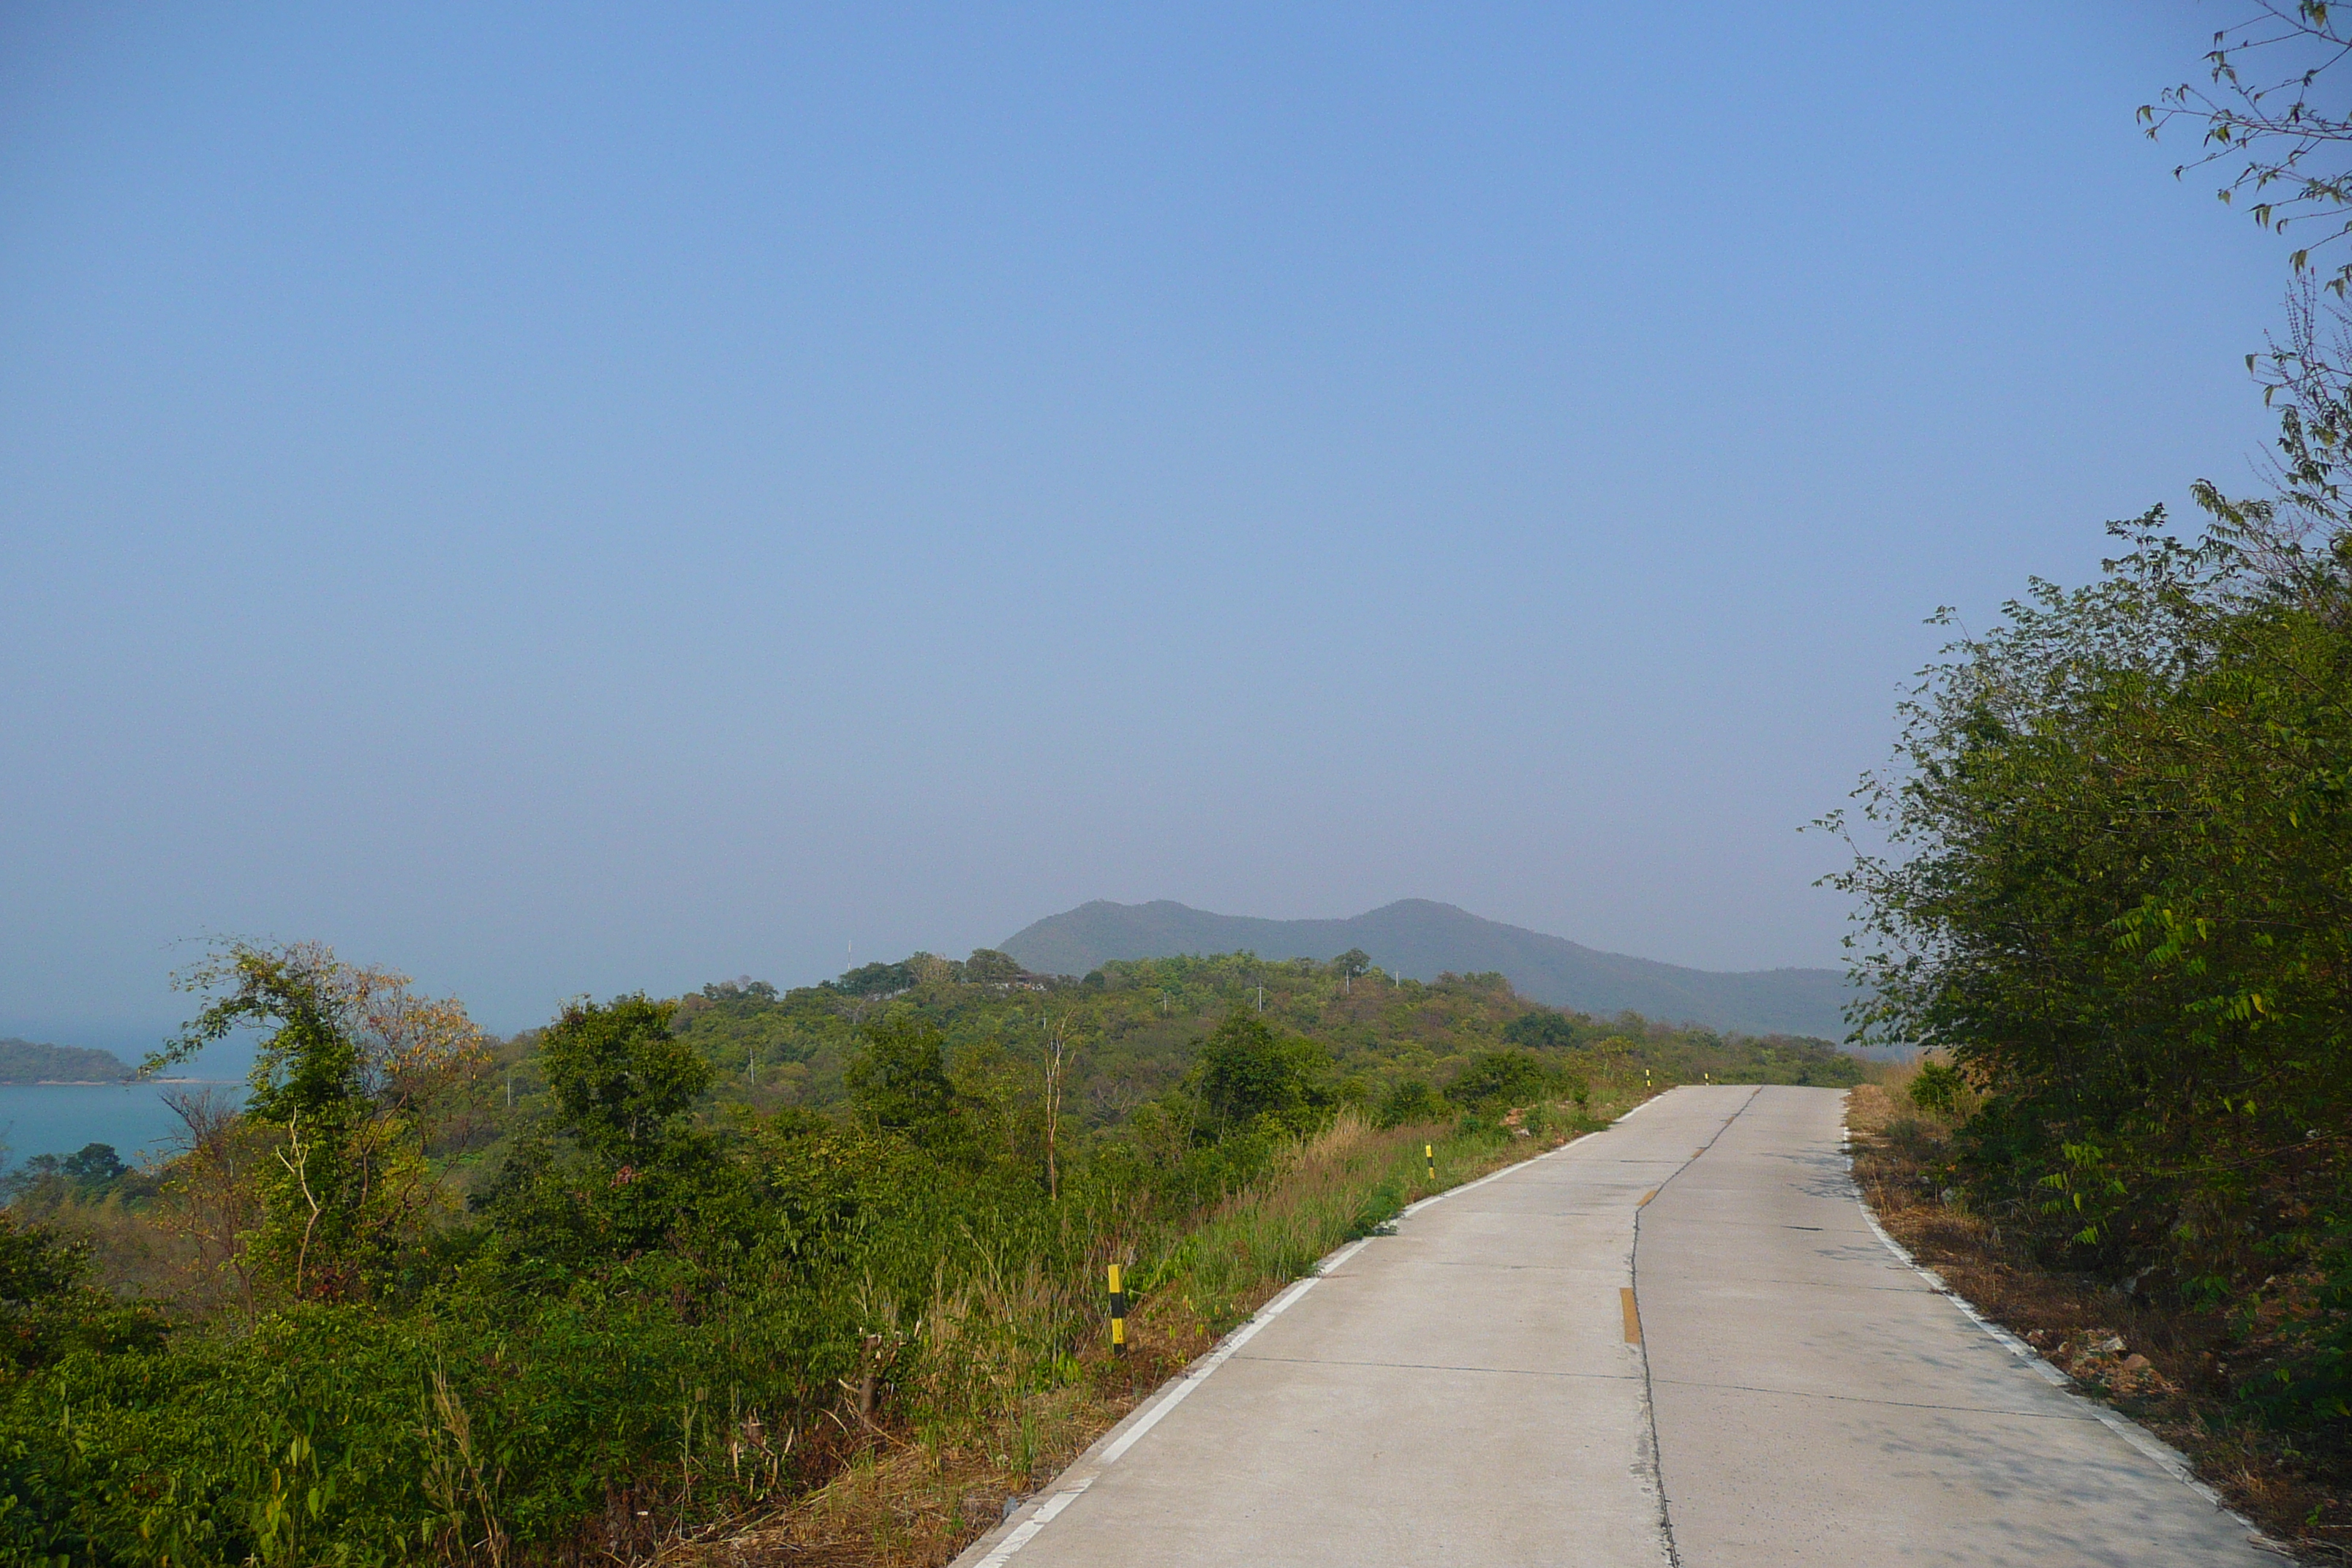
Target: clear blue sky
pixel 573 499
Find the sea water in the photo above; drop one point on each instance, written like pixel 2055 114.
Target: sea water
pixel 65 1118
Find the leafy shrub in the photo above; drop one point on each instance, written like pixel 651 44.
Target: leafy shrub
pixel 1410 1100
pixel 1247 1073
pixel 1939 1090
pixel 1496 1080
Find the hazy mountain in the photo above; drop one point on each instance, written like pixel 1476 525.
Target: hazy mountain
pixel 23 1061
pixel 1420 939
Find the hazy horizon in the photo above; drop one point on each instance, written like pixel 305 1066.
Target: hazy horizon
pixel 563 501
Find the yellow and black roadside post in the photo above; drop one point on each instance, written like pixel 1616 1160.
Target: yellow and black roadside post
pixel 1429 1153
pixel 1645 1078
pixel 1118 1314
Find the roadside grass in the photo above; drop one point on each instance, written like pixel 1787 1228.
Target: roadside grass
pixel 2164 1366
pixel 915 1488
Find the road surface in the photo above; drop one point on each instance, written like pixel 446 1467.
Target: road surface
pixel 1675 1342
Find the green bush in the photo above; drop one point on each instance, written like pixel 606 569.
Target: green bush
pixel 1410 1100
pixel 1939 1090
pixel 1497 1080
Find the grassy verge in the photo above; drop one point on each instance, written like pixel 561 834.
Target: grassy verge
pixel 2165 1367
pixel 913 1498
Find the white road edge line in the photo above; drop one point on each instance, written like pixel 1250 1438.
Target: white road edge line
pixel 1082 1474
pixel 2145 1442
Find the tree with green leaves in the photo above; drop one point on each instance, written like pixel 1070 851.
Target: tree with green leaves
pixel 1410 1100
pixel 2268 110
pixel 1497 1080
pixel 1248 1073
pixel 2119 893
pixel 986 967
pixel 621 1084
pixel 897 1082
pixel 348 1071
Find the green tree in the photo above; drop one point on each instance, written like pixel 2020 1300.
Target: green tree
pixel 1410 1100
pixel 1247 1073
pixel 2271 121
pixel 1541 1028
pixel 986 967
pixel 621 1083
pixel 874 979
pixel 2119 895
pixel 1496 1080
pixel 347 1074
pixel 1939 1090
pixel 897 1082
pixel 46 1306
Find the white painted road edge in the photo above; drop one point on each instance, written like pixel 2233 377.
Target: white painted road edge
pixel 2147 1442
pixel 1073 1482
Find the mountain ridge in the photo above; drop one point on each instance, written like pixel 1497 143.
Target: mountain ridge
pixel 1422 938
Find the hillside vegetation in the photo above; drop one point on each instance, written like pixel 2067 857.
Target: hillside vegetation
pixel 668 1265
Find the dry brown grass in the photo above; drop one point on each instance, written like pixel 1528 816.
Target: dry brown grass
pixel 2165 1367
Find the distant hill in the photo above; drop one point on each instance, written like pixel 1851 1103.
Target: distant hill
pixel 1417 938
pixel 23 1061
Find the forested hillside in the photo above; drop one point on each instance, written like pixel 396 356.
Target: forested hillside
pixel 672 1261
pixel 1133 1027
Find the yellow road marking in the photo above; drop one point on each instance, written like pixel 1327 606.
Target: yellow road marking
pixel 1633 1315
pixel 1647 1196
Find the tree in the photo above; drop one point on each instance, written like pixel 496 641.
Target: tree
pixel 874 979
pixel 346 1076
pixel 897 1082
pixel 48 1307
pixel 2120 894
pixel 619 1080
pixel 94 1166
pixel 986 967
pixel 1496 1080
pixel 1541 1028
pixel 1248 1073
pixel 1410 1100
pixel 2267 117
pixel 1350 964
pixel 1061 1045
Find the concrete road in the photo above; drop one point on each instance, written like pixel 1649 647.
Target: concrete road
pixel 1513 1378
pixel 1818 1401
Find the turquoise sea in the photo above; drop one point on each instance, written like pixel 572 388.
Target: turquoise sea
pixel 61 1118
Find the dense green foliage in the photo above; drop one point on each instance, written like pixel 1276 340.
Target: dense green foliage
pixel 2122 900
pixel 663 1260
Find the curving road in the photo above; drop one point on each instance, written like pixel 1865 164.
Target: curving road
pixel 1679 1340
